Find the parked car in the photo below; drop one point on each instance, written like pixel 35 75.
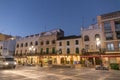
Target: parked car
pixel 101 67
pixel 7 62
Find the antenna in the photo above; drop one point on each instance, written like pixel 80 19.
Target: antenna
pixel 82 26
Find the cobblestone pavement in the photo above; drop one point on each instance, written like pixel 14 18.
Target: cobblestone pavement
pixel 38 73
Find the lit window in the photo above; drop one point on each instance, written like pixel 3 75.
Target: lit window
pixel 110 46
pixel 119 46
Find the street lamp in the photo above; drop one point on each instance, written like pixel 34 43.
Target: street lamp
pixel 99 48
pixel 98 42
pixel 31 49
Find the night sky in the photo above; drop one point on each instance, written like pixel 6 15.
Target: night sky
pixel 26 17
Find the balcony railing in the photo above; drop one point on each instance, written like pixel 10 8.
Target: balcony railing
pixel 32 54
pixel 114 50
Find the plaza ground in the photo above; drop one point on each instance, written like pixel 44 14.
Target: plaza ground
pixel 46 73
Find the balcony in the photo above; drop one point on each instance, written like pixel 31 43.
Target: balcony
pixel 109 38
pixel 115 50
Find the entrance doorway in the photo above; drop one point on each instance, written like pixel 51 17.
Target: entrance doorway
pixel 62 60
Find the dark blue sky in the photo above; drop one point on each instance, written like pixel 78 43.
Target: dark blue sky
pixel 25 17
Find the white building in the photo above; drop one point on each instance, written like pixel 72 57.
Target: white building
pixel 27 48
pixel 7 47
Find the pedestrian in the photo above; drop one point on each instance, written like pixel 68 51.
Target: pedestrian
pixel 41 64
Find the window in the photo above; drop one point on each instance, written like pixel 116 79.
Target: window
pixel 76 42
pixel 17 45
pixel 26 44
pixel 53 50
pixel 53 41
pixel 86 38
pixel 47 50
pixel 68 43
pixel 41 51
pixel 31 43
pixel 86 46
pixel 107 26
pixel 42 43
pixel 60 51
pixel 118 34
pixel 77 50
pixel 119 46
pixel 21 44
pixel 117 25
pixel 110 46
pixel 36 43
pixel 47 42
pixel 1 47
pixel 60 43
pixel 97 36
pixel 109 36
pixel 68 50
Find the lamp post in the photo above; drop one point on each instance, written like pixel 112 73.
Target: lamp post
pixel 98 42
pixel 31 49
pixel 58 56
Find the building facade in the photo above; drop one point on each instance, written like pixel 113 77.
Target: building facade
pixel 27 49
pixel 92 41
pixel 69 49
pixel 4 37
pixel 7 47
pixel 99 41
pixel 90 38
pixel 47 46
pixel 110 24
pixel 38 48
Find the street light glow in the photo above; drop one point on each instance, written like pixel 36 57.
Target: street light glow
pixel 98 43
pixel 32 48
pixel 97 39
